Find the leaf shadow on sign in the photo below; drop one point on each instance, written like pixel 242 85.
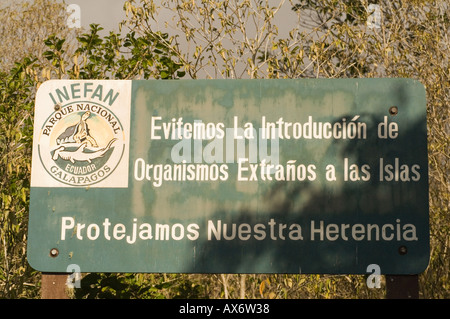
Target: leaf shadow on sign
pixel 394 203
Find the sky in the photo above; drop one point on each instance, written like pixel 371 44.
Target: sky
pixel 107 13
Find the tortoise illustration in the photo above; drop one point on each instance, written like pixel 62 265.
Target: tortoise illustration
pixel 78 133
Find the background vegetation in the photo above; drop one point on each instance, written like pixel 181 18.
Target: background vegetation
pixel 220 39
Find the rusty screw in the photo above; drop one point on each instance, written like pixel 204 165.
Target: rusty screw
pixel 402 250
pixel 54 252
pixel 393 110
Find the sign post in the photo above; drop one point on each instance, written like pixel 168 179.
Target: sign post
pixel 402 287
pixel 230 176
pixel 53 286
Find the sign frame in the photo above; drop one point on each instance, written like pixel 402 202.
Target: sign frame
pixel 357 194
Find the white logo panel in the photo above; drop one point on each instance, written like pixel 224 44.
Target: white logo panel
pixel 81 134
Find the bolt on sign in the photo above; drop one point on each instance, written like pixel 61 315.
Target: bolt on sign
pixel 230 176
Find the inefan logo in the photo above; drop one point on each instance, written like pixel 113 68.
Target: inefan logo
pixel 83 141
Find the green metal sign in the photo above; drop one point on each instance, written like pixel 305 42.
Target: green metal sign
pixel 230 176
